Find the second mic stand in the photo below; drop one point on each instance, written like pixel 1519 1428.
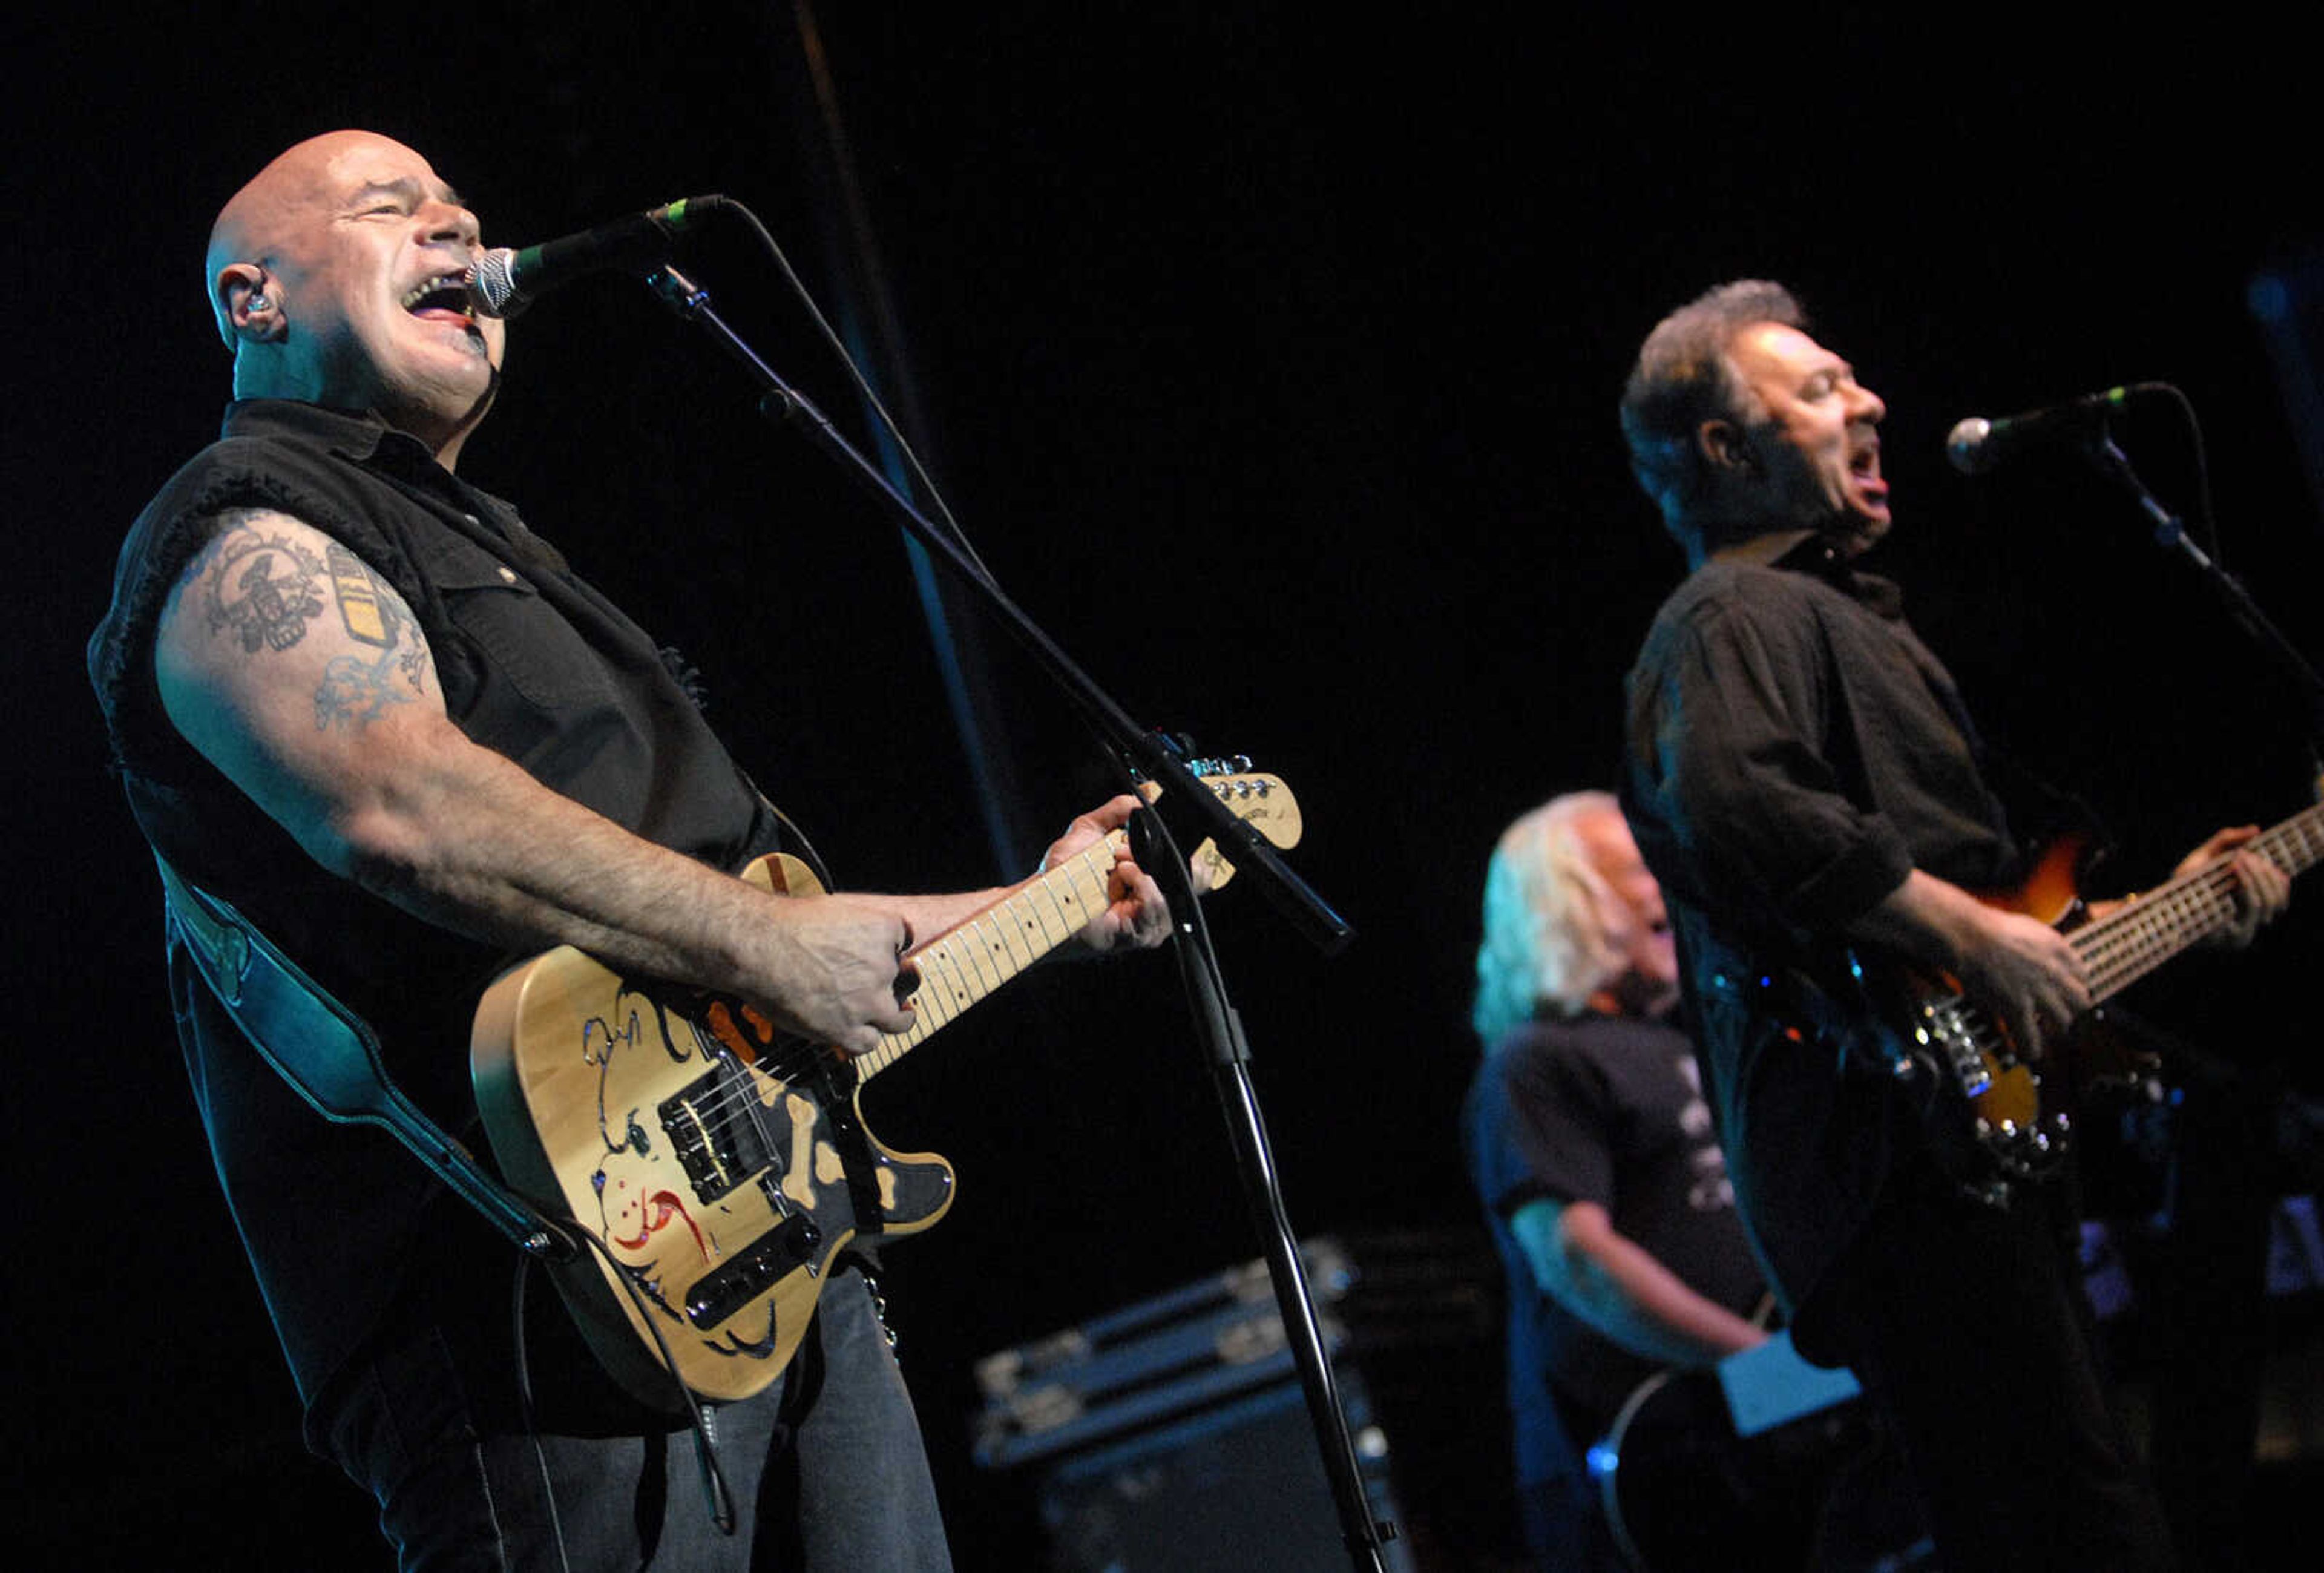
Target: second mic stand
pixel 1217 1025
pixel 2171 534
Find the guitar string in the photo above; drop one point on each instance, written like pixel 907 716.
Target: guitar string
pixel 2153 926
pixel 738 1099
pixel 2151 930
pixel 2156 927
pixel 2148 938
pixel 1075 890
pixel 2125 946
pixel 2157 921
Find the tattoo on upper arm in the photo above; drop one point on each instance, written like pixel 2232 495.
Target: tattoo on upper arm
pixel 355 691
pixel 264 589
pixel 261 590
pixel 359 601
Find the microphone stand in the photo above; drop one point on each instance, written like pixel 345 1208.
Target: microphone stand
pixel 1218 1026
pixel 2171 533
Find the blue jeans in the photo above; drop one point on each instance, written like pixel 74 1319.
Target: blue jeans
pixel 851 1491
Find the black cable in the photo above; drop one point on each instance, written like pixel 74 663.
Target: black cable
pixel 863 387
pixel 524 1407
pixel 2203 513
pixel 716 1497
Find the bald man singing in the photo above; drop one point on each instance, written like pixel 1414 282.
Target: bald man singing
pixel 361 701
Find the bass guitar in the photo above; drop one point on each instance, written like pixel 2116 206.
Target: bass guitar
pixel 1994 1112
pixel 724 1164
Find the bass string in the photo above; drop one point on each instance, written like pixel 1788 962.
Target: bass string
pixel 2159 925
pixel 2297 842
pixel 2162 920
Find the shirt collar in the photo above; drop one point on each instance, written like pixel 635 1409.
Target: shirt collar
pixel 1808 551
pixel 361 438
pixel 1771 549
pixel 360 434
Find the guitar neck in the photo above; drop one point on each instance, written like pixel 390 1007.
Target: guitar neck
pixel 963 965
pixel 2124 947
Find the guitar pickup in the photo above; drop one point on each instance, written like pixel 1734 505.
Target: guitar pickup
pixel 781 1250
pixel 719 1150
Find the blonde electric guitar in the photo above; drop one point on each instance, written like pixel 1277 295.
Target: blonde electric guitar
pixel 724 1164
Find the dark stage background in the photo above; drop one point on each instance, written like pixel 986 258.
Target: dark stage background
pixel 1270 359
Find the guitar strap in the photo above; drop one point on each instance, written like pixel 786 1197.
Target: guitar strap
pixel 328 1055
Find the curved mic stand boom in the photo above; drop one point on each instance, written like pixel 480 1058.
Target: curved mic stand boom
pixel 1219 1027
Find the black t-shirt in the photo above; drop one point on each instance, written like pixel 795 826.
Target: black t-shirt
pixel 339 1222
pixel 1604 1110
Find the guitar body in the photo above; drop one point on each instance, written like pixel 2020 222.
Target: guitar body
pixel 1683 1494
pixel 1990 1115
pixel 1996 1117
pixel 721 1164
pixel 724 1165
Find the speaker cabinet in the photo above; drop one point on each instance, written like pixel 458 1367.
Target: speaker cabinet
pixel 1172 1436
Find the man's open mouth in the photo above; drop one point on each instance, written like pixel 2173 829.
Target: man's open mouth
pixel 1864 465
pixel 445 295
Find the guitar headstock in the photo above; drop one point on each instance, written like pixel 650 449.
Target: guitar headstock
pixel 1256 796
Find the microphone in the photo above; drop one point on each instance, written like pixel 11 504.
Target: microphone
pixel 1976 444
pixel 503 281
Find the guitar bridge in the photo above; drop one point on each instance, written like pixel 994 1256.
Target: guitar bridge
pixel 1947 1028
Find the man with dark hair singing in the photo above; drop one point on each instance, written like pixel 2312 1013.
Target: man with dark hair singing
pixel 362 702
pixel 1804 778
